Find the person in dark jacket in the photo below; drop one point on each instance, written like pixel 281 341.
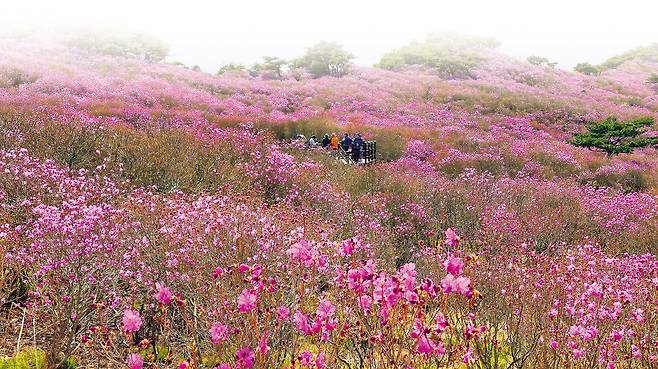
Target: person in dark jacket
pixel 326 141
pixel 357 145
pixel 346 142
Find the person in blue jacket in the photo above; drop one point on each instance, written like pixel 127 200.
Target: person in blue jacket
pixel 346 142
pixel 357 146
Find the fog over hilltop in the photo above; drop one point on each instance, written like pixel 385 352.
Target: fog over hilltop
pixel 210 34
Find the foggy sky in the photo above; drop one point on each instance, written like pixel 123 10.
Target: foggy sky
pixel 212 33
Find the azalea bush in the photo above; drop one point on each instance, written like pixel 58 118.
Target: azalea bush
pixel 128 281
pixel 317 313
pixel 577 307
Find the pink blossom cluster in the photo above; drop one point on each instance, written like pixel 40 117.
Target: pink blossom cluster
pixel 597 308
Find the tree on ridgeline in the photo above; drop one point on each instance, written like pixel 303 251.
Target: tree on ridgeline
pixel 616 137
pixel 587 69
pixel 540 61
pixel 121 43
pixel 271 68
pixel 325 59
pixel 231 68
pixel 450 55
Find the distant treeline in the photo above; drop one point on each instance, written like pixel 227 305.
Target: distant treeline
pixel 450 55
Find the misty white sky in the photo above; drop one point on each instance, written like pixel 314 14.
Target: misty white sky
pixel 212 33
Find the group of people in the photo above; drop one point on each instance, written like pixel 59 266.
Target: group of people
pixel 351 145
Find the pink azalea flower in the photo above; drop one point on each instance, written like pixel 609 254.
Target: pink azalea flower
pixel 245 358
pixel 452 239
pixel 451 284
pixel 131 321
pixel 317 326
pixel 135 361
pixel 218 333
pixel 468 356
pixel 635 351
pixel 425 346
pixel 440 349
pixel 347 247
pixel 319 361
pixel 441 322
pixel 301 322
pixel 282 313
pixel 578 353
pixel 164 294
pixel 263 348
pixel 224 366
pixel 408 274
pixel 365 302
pixel 219 271
pixel 325 309
pixel 300 251
pixel 256 271
pixel 428 286
pixel 246 301
pixel 305 358
pixel 183 365
pixel 454 266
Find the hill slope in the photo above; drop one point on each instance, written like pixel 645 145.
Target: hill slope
pixel 154 215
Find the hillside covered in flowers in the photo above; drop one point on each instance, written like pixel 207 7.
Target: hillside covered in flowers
pixel 155 216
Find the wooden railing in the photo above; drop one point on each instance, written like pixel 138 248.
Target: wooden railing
pixel 367 154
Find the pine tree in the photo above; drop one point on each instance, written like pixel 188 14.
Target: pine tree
pixel 616 137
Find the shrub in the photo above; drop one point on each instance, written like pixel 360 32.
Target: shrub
pixel 390 144
pixel 419 149
pixel 481 163
pixel 653 78
pixel 307 127
pixel 556 166
pixel 643 53
pixel 31 358
pixel 535 316
pixel 627 178
pixel 169 159
pixel 15 77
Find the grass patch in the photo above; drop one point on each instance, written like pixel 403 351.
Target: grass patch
pixel 32 358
